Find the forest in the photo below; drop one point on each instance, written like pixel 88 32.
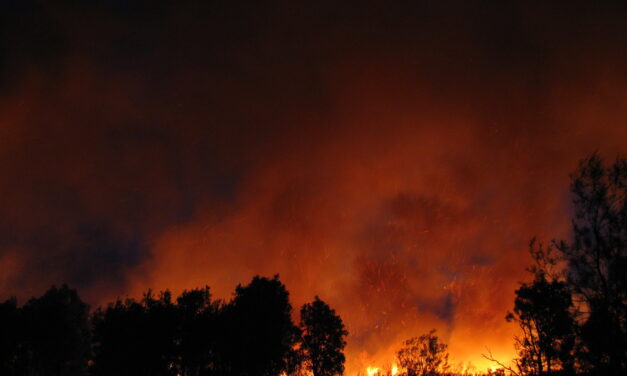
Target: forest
pixel 572 314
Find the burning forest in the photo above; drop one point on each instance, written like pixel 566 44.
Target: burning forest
pixel 275 188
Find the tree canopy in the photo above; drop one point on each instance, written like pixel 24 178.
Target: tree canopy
pixel 543 309
pixel 323 339
pixel 191 335
pixel 597 261
pixel 55 333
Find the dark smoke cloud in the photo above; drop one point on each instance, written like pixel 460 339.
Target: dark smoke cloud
pixel 394 159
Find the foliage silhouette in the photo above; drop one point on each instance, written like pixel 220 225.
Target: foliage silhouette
pixel 55 334
pixel 574 314
pixel 423 356
pixel 132 338
pixel 323 339
pixel 597 262
pixel 9 335
pixel 543 310
pixel 251 335
pixel 197 332
pixel 262 335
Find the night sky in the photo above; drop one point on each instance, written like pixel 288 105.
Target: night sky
pixel 394 158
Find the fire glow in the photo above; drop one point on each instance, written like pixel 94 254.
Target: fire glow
pixel 376 371
pixel 399 178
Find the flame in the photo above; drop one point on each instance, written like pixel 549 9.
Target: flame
pixel 372 370
pixel 394 370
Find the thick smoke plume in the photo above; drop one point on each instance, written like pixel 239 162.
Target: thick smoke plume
pixel 393 159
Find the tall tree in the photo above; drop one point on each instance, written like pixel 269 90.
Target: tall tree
pixel 260 335
pixel 543 309
pixel 597 261
pixel 323 336
pixel 423 356
pixel 56 333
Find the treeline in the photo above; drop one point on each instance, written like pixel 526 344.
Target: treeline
pixel 192 335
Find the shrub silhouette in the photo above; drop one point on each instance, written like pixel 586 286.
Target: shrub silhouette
pixel 423 356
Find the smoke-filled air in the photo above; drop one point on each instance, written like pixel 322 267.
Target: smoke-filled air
pixel 393 159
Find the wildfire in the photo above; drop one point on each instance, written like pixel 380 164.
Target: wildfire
pixel 376 371
pixel 394 370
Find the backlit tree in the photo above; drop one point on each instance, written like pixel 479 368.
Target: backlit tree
pixel 423 356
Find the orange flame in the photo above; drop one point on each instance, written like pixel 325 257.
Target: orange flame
pixel 394 370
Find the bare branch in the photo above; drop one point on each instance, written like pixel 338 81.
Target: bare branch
pixel 491 358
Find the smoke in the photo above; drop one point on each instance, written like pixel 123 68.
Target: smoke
pixel 394 160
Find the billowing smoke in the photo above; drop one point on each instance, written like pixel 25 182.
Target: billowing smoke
pixel 393 159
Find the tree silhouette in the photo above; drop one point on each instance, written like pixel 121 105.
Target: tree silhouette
pixel 9 336
pixel 543 311
pixel 198 332
pixel 597 261
pixel 118 343
pixel 261 335
pixel 252 335
pixel 56 333
pixel 132 338
pixel 423 356
pixel 323 336
pixel 162 321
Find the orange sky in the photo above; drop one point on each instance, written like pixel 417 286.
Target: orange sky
pixel 393 161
